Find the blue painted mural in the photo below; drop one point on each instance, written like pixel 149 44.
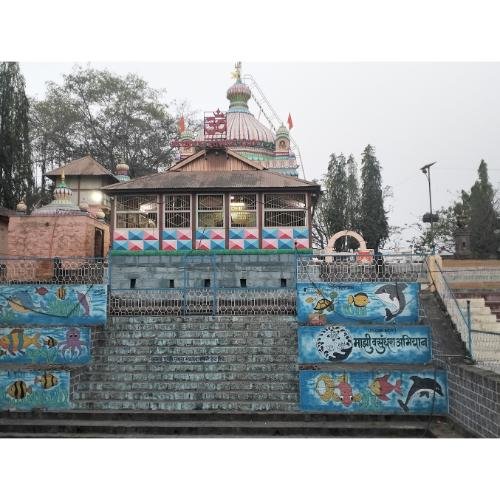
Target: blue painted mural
pixel 364 344
pixel 60 305
pixel 34 389
pixel 45 346
pixel 323 303
pixel 387 391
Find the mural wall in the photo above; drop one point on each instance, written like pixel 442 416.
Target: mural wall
pixel 285 238
pixel 71 305
pixel 324 303
pixel 45 346
pixel 281 238
pixel 177 239
pixel 380 391
pixel 34 389
pixel 136 239
pixel 364 344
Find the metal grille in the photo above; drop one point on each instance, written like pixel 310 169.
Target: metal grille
pixel 243 210
pixel 199 301
pixel 136 220
pixel 210 202
pixel 285 201
pixel 243 202
pixel 136 203
pixel 177 219
pixel 56 270
pixel 177 202
pixel 326 268
pixel 277 218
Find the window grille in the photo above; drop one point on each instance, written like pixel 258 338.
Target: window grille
pixel 284 210
pixel 210 210
pixel 136 211
pixel 243 210
pixel 177 210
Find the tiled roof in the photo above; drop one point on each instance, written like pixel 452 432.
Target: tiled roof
pixel 239 179
pixel 83 166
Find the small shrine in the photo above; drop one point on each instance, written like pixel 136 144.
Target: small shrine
pixel 235 188
pixel 58 229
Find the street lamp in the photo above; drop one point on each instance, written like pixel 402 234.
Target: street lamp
pixel 426 169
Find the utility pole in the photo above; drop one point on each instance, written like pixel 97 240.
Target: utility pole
pixel 426 169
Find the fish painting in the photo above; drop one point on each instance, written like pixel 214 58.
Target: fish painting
pixel 322 304
pixel 341 391
pixel 82 298
pixel 21 302
pixel 358 300
pixel 50 342
pixel 61 293
pixel 423 387
pixel 381 387
pixel 41 290
pixel 18 390
pixel 47 380
pixel 17 341
pixel 392 294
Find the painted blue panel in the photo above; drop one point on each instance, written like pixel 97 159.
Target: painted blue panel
pixel 364 344
pixel 120 245
pixel 135 234
pixel 269 233
pixel 62 305
pixel 236 234
pixel 300 233
pixel 45 346
pixel 151 245
pixel 285 244
pixel 250 244
pixel 169 234
pixel 34 389
pixel 357 302
pixel 217 244
pixel 389 391
pixel 184 245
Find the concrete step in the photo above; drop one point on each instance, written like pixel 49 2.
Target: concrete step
pixel 109 377
pixel 174 406
pixel 247 351
pixel 209 423
pixel 189 368
pixel 225 358
pixel 199 385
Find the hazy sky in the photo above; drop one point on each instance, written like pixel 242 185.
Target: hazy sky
pixel 412 113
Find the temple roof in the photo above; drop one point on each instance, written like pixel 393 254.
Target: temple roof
pixel 252 180
pixel 82 166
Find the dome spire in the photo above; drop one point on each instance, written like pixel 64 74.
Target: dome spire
pixel 239 93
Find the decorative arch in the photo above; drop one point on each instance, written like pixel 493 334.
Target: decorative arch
pixel 330 247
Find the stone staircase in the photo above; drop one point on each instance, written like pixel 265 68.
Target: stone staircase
pixel 485 346
pixel 229 363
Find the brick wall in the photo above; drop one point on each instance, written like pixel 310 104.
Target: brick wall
pixel 474 399
pixel 54 235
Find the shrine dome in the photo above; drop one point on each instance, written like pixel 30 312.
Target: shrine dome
pixel 241 123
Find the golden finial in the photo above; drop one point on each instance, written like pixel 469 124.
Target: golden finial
pixel 236 74
pixel 62 176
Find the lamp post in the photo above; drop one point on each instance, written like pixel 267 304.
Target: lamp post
pixel 426 169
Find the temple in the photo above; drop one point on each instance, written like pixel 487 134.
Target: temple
pixel 235 187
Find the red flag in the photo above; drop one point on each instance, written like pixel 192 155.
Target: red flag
pixel 182 125
pixel 290 123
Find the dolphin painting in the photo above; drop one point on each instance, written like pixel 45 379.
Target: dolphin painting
pixel 392 294
pixel 422 386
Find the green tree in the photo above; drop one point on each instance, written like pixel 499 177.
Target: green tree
pixel 334 201
pixel 16 176
pixel 373 217
pixel 483 218
pixel 353 198
pixel 107 116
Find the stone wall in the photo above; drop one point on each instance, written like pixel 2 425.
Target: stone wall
pixel 474 399
pixel 54 235
pixel 170 271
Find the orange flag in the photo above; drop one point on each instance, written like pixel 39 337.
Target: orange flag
pixel 182 125
pixel 290 123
